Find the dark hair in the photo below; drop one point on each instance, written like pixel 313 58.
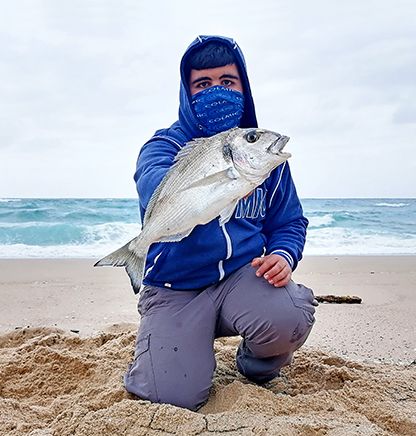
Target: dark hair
pixel 211 55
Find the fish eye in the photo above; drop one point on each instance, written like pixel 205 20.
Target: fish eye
pixel 252 136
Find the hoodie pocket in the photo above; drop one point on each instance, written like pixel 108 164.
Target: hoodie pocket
pixel 140 379
pixel 142 346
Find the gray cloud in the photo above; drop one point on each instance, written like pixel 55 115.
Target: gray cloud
pixel 84 84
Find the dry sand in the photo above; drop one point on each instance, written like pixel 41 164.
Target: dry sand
pixel 54 382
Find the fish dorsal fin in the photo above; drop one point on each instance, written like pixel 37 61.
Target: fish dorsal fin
pixel 189 146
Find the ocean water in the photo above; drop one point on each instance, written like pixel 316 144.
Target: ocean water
pixel 59 228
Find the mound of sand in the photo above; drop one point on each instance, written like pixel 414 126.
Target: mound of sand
pixel 55 383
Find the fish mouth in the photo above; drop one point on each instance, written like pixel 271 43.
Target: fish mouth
pixel 278 145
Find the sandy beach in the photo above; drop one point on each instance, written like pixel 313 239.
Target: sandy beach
pixel 355 375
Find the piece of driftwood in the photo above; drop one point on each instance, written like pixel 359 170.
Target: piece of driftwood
pixel 339 299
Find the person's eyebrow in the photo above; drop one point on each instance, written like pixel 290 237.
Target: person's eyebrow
pixel 200 79
pixel 229 76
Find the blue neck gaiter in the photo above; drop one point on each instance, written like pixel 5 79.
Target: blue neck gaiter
pixel 217 109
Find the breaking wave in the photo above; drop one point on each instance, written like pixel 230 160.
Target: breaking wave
pixel 392 204
pixel 94 227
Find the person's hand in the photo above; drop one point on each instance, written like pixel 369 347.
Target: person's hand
pixel 274 268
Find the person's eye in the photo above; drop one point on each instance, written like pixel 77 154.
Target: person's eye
pixel 203 85
pixel 227 82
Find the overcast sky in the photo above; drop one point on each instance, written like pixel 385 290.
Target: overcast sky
pixel 83 84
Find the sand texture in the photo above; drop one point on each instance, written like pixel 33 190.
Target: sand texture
pixel 356 375
pixel 56 383
pixel 72 295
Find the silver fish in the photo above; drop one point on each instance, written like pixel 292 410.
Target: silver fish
pixel 208 178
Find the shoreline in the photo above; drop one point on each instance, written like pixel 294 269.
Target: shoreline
pixel 70 294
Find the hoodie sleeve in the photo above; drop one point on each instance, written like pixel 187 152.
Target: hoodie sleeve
pixel 285 226
pixel 154 161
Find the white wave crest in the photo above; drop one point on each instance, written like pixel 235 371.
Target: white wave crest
pixel 99 240
pixel 9 200
pixel 392 204
pixel 28 224
pixel 341 241
pixel 111 233
pixel 21 251
pixel 320 221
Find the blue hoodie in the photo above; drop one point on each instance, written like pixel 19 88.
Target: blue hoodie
pixel 269 221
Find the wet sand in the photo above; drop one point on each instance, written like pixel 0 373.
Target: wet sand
pixel 355 375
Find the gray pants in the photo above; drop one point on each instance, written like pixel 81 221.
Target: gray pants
pixel 174 359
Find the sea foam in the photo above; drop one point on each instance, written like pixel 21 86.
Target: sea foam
pixel 95 227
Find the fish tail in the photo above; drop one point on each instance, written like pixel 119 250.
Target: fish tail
pixel 128 258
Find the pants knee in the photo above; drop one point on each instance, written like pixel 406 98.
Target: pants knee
pixel 280 336
pixel 257 369
pixel 180 383
pixel 186 398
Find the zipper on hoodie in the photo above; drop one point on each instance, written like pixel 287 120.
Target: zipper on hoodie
pixel 229 251
pixel 154 263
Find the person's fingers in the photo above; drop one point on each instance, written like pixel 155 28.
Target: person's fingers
pixel 257 261
pixel 277 272
pixel 268 263
pixel 284 281
pixel 280 276
pixel 274 270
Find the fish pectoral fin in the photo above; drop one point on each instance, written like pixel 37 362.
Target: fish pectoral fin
pixel 177 237
pixel 215 178
pixel 227 213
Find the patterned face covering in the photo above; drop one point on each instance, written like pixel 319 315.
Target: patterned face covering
pixel 217 109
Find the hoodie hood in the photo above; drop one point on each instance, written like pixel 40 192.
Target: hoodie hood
pixel 187 118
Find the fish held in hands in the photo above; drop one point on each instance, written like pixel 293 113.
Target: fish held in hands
pixel 208 178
